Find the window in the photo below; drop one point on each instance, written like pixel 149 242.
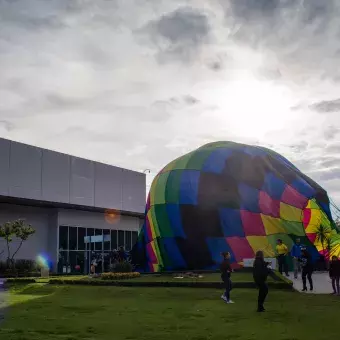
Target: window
pixel 134 237
pixel 63 237
pixel 107 239
pixel 114 244
pixel 128 240
pixel 81 235
pixel 99 245
pixel 72 238
pixel 121 241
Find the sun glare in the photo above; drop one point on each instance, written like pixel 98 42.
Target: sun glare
pixel 252 108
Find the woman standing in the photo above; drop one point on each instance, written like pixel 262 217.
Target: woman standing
pixel 226 277
pixel 260 274
pixel 307 269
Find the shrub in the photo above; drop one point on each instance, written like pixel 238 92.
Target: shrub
pixel 123 267
pixel 119 276
pixel 20 280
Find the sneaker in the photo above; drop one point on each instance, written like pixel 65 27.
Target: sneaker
pixel 224 298
pixel 230 301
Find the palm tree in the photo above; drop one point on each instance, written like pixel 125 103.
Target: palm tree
pixel 322 237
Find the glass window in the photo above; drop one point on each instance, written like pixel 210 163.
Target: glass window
pixel 121 241
pixel 63 237
pixel 99 245
pixel 114 244
pixel 72 238
pixel 90 232
pixel 134 237
pixel 63 262
pixel 81 235
pixel 107 239
pixel 128 240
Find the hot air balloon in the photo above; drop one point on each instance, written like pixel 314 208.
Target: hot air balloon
pixel 233 197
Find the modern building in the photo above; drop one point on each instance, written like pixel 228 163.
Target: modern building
pixel 66 199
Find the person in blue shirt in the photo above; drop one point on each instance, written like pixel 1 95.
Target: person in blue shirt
pixel 296 254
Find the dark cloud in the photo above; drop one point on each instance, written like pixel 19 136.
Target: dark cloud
pixel 182 31
pixel 184 25
pixel 326 106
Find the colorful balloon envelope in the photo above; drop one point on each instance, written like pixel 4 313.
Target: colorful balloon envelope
pixel 231 197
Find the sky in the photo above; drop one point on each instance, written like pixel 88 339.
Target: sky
pixel 137 83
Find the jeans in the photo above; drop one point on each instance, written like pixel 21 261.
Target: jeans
pixel 307 273
pixel 263 292
pixel 297 266
pixel 336 284
pixel 228 287
pixel 281 259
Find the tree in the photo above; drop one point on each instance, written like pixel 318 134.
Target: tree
pixel 322 235
pixel 16 229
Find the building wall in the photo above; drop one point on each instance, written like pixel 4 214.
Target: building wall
pixel 38 218
pixel 34 173
pixel 97 220
pixel 46 221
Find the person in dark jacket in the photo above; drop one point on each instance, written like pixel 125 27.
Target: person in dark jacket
pixel 334 274
pixel 307 269
pixel 226 277
pixel 261 270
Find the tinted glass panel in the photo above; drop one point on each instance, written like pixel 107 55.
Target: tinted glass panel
pixel 128 240
pixel 107 239
pixel 81 235
pixel 63 237
pixel 72 238
pixel 114 244
pixel 121 241
pixel 99 245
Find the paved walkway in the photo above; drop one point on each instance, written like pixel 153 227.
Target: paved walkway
pixel 3 300
pixel 322 283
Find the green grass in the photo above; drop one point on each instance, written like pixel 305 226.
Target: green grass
pixel 45 312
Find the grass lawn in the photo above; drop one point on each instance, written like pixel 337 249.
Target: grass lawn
pixel 45 312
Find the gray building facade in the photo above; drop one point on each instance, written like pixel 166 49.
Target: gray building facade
pixel 66 198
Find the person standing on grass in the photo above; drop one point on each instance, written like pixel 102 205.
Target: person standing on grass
pixel 261 271
pixel 282 252
pixel 334 274
pixel 307 269
pixel 296 254
pixel 226 277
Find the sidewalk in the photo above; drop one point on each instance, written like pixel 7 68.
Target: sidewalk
pixel 321 280
pixel 3 300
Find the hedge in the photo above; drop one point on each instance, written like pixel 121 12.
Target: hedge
pixel 20 280
pixel 119 276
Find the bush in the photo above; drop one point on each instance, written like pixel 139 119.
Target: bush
pixel 20 280
pixel 123 267
pixel 119 276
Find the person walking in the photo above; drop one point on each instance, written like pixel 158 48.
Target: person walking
pixel 226 277
pixel 334 274
pixel 282 251
pixel 307 269
pixel 261 271
pixel 296 255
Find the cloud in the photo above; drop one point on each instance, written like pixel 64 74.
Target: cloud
pixel 138 83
